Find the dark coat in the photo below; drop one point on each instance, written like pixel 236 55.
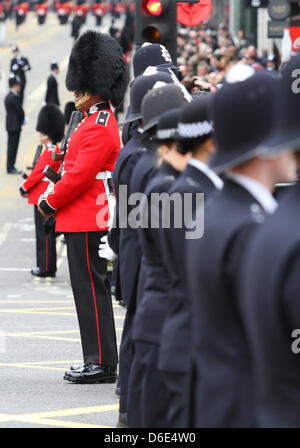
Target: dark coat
pixel 52 91
pixel 271 312
pixel 154 304
pixel 141 176
pixel 14 112
pixel 125 164
pixel 175 338
pixel 220 356
pixel 129 128
pixel 18 67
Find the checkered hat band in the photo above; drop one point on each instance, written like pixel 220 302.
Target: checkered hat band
pixel 164 134
pixel 193 130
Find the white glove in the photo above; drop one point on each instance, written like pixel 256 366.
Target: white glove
pixel 50 190
pixel 105 251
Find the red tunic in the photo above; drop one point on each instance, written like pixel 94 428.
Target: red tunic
pixel 41 9
pixel 79 197
pixel 99 9
pixel 36 183
pixel 22 8
pixel 81 10
pixel 64 8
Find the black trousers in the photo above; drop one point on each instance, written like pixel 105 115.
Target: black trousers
pixel 176 384
pixel 12 148
pixel 147 396
pixel 126 359
pixel 22 92
pixel 45 245
pixel 91 289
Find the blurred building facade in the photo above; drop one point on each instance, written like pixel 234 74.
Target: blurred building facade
pixel 242 15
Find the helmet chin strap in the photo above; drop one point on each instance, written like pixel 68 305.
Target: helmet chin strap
pixel 82 100
pixel 43 139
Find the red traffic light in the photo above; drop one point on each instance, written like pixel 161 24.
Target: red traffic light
pixel 154 7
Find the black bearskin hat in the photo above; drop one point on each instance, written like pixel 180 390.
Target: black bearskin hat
pixel 97 66
pixel 51 122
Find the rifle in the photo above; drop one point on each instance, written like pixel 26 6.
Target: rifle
pixel 75 119
pixel 38 152
pixel 49 172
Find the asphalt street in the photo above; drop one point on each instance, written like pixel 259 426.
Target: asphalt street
pixel 39 336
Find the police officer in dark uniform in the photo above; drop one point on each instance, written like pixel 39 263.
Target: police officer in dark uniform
pixel 154 55
pixel 52 88
pixel 96 74
pixel 14 121
pixel 50 125
pixel 122 240
pixel 195 130
pixel 145 382
pixel 269 294
pixel 18 66
pixel 221 369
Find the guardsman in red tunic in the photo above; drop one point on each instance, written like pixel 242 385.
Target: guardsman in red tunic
pixel 99 10
pixel 80 12
pixel 41 9
pixel 64 9
pixel 50 125
pixel 21 9
pixel 97 75
pixel 81 9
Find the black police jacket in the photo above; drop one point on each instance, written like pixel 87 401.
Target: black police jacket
pixel 175 338
pixel 271 314
pixel 18 67
pixel 154 304
pixel 125 164
pixel 14 112
pixel 123 239
pixel 220 355
pixel 134 269
pixel 129 128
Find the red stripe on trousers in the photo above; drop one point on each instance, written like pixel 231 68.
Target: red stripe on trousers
pixel 94 296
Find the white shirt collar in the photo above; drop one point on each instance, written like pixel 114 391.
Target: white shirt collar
pixel 53 74
pixel 257 190
pixel 216 180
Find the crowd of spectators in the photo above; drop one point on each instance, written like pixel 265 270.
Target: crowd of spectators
pixel 205 55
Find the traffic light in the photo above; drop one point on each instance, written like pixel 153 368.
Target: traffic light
pixel 156 22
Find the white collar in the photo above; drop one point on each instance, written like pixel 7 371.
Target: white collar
pixel 257 190
pixel 216 180
pixel 53 74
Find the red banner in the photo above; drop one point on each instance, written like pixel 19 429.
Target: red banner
pixel 193 14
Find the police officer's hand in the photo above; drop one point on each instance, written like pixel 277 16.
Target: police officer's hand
pixel 105 251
